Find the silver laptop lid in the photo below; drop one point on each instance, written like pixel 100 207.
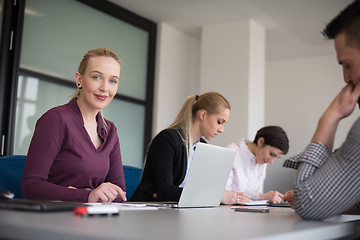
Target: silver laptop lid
pixel 207 176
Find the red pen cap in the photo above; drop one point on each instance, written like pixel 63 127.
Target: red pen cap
pixel 80 211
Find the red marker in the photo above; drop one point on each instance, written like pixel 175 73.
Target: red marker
pixel 101 210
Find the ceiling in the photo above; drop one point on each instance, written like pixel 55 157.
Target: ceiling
pixel 293 27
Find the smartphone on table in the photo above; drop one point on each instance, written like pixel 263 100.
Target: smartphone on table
pixel 247 209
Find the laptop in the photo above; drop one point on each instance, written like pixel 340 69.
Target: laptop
pixel 206 179
pixel 38 205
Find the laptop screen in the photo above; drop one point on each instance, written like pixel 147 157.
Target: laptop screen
pixel 207 176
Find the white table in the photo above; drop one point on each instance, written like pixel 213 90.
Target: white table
pixel 172 224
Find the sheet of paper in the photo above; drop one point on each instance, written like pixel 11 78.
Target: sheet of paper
pixel 256 203
pixel 127 206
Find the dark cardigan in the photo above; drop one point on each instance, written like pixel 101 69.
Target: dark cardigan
pixel 165 168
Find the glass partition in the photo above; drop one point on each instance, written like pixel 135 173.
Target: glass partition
pixel 129 121
pixel 58 33
pixel 34 98
pixel 1 15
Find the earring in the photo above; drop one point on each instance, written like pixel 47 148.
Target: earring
pixel 79 86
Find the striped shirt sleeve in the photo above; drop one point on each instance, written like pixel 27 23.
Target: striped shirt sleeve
pixel 327 183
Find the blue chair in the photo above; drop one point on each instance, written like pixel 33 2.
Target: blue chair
pixel 11 171
pixel 132 179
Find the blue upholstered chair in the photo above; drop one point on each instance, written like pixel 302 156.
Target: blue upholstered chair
pixel 12 167
pixel 11 171
pixel 132 179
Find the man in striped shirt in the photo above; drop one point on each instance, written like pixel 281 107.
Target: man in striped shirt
pixel 328 183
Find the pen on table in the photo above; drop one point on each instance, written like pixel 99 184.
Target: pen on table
pixel 102 210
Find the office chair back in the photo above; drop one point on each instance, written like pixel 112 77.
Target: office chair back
pixel 132 179
pixel 11 171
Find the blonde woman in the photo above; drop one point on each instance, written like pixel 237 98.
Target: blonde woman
pixel 74 154
pixel 171 151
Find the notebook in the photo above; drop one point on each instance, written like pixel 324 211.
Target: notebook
pixel 256 203
pixel 206 179
pixel 38 205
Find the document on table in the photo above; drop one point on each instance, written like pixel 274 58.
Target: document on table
pixel 265 203
pixel 127 206
pixel 256 203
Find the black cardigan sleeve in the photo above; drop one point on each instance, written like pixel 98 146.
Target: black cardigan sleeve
pixel 169 161
pixel 165 168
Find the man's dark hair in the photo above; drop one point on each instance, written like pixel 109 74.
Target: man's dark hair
pixel 274 136
pixel 347 21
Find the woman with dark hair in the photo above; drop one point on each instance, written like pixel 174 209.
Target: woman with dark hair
pixel 249 168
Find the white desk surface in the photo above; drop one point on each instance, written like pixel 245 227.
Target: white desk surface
pixel 174 224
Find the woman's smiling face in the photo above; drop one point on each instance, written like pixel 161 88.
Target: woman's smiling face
pixel 99 82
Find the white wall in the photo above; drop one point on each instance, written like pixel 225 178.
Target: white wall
pixel 177 74
pixel 233 63
pixel 297 93
pixel 256 105
pixel 225 50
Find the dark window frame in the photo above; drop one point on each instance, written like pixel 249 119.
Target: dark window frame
pixel 13 22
